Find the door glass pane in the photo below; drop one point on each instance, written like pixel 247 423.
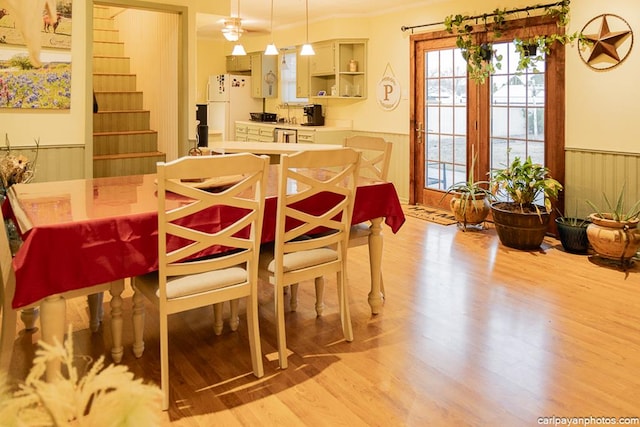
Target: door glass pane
pixel 446 118
pixel 517 111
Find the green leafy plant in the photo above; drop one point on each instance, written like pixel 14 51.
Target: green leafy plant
pixel 533 50
pixel 470 188
pixel 467 192
pixel 482 60
pixel 573 221
pixel 522 182
pixel 617 211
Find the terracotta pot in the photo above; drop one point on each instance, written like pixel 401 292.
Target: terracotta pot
pixel 573 237
pixel 617 240
pixel 519 230
pixel 469 211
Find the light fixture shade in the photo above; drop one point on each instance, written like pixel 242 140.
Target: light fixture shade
pixel 271 49
pixel 232 29
pixel 231 35
pixel 307 50
pixel 238 50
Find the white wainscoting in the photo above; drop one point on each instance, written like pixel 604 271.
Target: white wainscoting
pixel 589 173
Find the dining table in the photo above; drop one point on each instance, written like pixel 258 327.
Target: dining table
pixel 80 233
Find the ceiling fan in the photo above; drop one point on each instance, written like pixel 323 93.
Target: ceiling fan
pixel 232 27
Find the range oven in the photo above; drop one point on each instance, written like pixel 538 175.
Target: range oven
pixel 285 135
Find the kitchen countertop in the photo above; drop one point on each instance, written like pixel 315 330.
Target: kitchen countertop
pixel 294 126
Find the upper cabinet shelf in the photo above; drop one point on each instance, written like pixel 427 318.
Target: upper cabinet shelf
pixel 337 70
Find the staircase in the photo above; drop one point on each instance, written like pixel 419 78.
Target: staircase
pixel 123 144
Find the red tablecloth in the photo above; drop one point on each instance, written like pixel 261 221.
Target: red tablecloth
pixel 115 235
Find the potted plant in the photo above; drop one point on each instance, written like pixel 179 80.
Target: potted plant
pixel 519 221
pixel 613 233
pixel 470 201
pixel 572 232
pixel 533 49
pixel 479 57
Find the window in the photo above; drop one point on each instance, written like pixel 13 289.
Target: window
pixel 288 78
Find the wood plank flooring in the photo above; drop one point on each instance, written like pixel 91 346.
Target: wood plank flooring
pixel 471 334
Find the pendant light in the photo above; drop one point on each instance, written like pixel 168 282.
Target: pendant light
pixel 238 50
pixel 271 48
pixel 307 49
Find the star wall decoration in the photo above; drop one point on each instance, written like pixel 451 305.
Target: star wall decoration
pixel 607 48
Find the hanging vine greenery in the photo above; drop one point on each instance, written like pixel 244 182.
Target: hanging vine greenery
pixel 479 57
pixel 483 60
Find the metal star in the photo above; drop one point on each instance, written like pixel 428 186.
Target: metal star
pixel 606 42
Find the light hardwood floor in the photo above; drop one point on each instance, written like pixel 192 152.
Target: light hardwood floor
pixel 471 334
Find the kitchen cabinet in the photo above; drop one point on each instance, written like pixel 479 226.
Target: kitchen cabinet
pixel 321 135
pixel 306 136
pixel 238 64
pixel 264 132
pixel 338 69
pixel 241 132
pixel 323 62
pixel 302 74
pixel 264 75
pixel 259 132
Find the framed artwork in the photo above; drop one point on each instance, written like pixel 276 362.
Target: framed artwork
pixel 35 54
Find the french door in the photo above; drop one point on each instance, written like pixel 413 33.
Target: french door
pixel 513 114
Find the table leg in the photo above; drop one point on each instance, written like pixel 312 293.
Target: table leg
pixel 375 260
pixel 138 323
pixel 95 310
pixel 115 290
pixel 53 312
pixel 29 317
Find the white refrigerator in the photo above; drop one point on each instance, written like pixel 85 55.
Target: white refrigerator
pixel 228 100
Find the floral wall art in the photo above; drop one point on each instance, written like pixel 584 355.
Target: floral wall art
pixel 35 54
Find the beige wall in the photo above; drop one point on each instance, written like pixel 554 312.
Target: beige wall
pixel 602 106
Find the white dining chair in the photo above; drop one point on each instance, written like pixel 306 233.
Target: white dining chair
pixel 375 160
pixel 227 192
pixel 316 190
pixel 375 155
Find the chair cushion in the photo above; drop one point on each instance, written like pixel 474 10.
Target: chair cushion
pixel 180 286
pixel 297 260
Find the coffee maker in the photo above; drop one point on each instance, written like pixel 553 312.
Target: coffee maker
pixel 313 115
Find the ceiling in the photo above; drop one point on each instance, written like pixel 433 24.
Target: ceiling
pixel 255 14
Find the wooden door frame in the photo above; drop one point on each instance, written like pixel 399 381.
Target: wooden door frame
pixel 554 102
